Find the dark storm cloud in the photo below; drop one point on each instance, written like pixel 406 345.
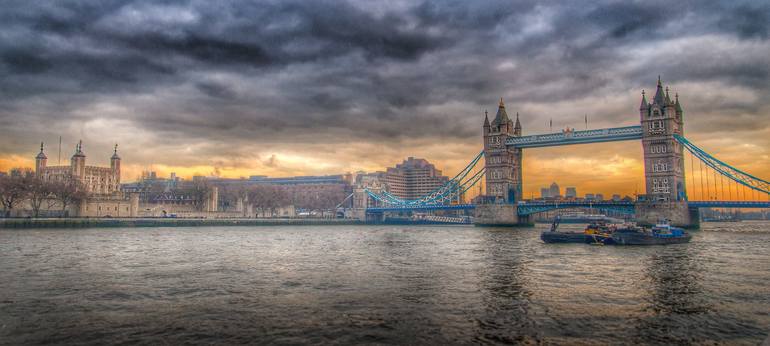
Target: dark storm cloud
pixel 330 72
pixel 748 20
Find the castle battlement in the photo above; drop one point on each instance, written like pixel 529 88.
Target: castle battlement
pixel 96 179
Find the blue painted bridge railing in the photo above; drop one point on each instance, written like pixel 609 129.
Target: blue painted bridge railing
pixel 729 204
pixel 421 208
pixel 528 208
pixel 576 137
pixel 524 208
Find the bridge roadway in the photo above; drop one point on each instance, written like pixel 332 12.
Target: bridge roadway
pixel 528 207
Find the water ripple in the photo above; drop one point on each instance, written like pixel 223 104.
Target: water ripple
pixel 379 285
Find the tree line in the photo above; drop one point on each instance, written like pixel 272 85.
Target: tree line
pixel 272 197
pixel 17 189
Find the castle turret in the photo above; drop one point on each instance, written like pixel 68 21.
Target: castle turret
pixel 517 127
pixel 670 105
pixel 115 165
pixel 659 98
pixel 679 111
pixel 40 161
pixel 502 123
pixel 115 160
pixel 78 161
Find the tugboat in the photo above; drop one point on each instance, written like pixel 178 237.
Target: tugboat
pixel 663 233
pixel 595 233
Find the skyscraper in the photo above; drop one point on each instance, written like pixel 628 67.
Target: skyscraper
pixel 555 190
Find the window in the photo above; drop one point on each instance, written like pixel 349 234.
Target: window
pixel 660 185
pixel 658 148
pixel 660 166
pixel 657 126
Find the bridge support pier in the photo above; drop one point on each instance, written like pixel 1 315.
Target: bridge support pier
pixel 499 215
pixel 678 213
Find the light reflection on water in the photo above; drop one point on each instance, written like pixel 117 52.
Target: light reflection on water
pixel 379 284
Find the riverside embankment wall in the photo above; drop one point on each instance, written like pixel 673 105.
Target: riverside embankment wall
pixel 165 222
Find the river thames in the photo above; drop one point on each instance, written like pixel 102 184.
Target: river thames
pixel 379 284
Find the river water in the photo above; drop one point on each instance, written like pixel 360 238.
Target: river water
pixel 379 284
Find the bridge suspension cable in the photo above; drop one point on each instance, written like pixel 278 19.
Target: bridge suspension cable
pixel 742 179
pixel 447 192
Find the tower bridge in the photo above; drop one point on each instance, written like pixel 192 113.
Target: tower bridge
pixel 661 132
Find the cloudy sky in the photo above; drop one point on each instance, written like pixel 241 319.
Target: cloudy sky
pixel 280 88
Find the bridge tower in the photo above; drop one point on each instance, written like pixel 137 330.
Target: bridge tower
pixel 502 163
pixel 503 172
pixel 666 195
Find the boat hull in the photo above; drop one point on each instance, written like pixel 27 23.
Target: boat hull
pixel 638 238
pixel 569 237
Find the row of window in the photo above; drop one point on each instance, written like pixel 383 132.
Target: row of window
pixel 660 185
pixel 494 140
pixel 496 159
pixel 657 126
pixel 496 174
pixel 658 148
pixel 660 166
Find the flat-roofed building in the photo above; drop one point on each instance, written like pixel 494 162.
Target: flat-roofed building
pixel 413 178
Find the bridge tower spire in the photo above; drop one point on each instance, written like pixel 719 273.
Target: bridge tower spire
pixel 665 187
pixel 502 163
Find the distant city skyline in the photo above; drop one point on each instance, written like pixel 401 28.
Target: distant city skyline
pixel 313 88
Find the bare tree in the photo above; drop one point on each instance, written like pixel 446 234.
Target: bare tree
pixel 68 192
pixel 268 197
pixel 200 191
pixel 229 194
pixel 320 199
pixel 12 192
pixel 37 192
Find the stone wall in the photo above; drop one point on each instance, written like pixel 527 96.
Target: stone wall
pixel 678 214
pixel 108 207
pixel 497 215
